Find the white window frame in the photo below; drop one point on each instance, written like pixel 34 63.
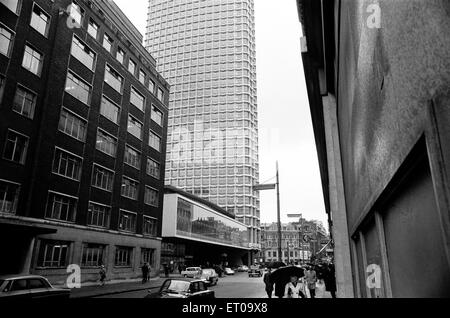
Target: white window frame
pixel 11 42
pixel 24 155
pixel 139 153
pixel 134 230
pixel 49 22
pixel 50 192
pixel 123 185
pixel 108 221
pixel 77 116
pixel 104 168
pixel 143 226
pixel 71 154
pixel 145 197
pixel 113 137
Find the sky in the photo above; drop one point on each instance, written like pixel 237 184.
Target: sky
pixel 285 127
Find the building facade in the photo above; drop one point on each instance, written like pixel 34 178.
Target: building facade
pixel 83 124
pixel 301 241
pixel 197 232
pixel 206 50
pixel 378 78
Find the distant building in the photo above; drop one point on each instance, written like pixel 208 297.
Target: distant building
pixel 83 125
pixel 197 232
pixel 300 241
pixel 378 80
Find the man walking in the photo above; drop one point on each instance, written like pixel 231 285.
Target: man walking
pixel 268 282
pixel 144 269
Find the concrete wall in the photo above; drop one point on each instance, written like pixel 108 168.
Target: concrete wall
pixel 393 100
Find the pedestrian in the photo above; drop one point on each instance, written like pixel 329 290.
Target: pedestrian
pixel 330 280
pixel 144 269
pixel 268 282
pixel 166 270
pixel 311 280
pixel 294 289
pixel 149 271
pixel 102 274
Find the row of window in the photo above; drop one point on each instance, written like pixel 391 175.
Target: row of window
pixel 16 145
pixel 63 208
pixel 55 254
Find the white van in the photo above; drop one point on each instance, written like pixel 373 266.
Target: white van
pixel 192 272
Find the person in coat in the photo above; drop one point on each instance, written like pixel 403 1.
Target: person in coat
pixel 268 282
pixel 330 280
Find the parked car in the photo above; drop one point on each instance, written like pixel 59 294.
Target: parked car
pixel 229 271
pixel 243 268
pixel 30 287
pixel 175 288
pixel 255 271
pixel 209 276
pixel 192 272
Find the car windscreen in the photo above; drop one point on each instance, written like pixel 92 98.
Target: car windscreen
pixel 176 286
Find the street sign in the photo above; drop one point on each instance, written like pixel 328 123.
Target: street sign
pixel 262 187
pixel 295 216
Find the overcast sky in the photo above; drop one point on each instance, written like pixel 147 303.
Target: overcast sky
pixel 285 129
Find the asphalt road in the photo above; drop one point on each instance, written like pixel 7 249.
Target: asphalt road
pixel 237 286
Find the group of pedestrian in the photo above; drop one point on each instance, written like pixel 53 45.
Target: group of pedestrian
pixel 304 286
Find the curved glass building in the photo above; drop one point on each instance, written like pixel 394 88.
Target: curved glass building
pixel 206 51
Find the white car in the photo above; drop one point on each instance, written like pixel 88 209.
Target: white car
pixel 229 271
pixel 192 272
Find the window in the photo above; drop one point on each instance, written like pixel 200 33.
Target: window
pixel 110 110
pixel 6 38
pixel 106 143
pixel 93 255
pixel 98 215
pixel 131 67
pixel 24 102
pixel 40 20
pixel 155 141
pixel 76 13
pixel 157 116
pixel 147 256
pixel 16 147
pixel 142 77
pixel 32 60
pixel 67 165
pixel 150 226
pixel 151 86
pixel 132 157
pixel 135 127
pixel 113 78
pixel 9 197
pixel 53 254
pixel 13 5
pixel 127 221
pixel 160 94
pixel 151 197
pixel 153 169
pixel 137 99
pixel 107 42
pixel 123 256
pixel 83 53
pixel 120 56
pixel 93 29
pixel 72 125
pixel 103 178
pixel 61 207
pixel 130 188
pixel 77 88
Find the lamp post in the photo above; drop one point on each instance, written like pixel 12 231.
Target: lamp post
pixel 262 187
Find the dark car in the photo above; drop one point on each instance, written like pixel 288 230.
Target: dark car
pixel 30 287
pixel 177 288
pixel 255 271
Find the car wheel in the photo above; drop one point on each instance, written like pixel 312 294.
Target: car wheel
pixel 185 276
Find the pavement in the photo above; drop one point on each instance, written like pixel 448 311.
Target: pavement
pixel 112 288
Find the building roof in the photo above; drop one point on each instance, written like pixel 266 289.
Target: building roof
pixel 172 189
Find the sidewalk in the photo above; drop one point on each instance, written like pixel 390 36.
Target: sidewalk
pixel 117 287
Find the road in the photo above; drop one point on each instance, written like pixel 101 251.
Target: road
pixel 237 286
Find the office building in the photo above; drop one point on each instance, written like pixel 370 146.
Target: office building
pixel 83 124
pixel 206 51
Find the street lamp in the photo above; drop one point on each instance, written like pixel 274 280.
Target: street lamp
pixel 262 187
